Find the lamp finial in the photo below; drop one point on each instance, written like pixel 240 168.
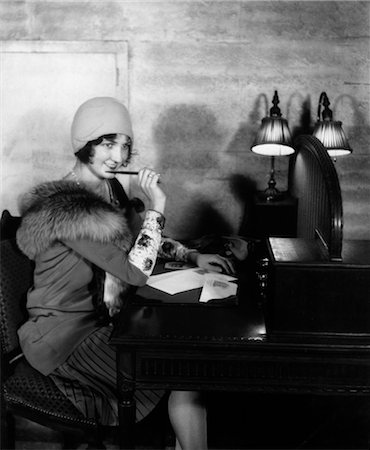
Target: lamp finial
pixel 275 110
pixel 327 114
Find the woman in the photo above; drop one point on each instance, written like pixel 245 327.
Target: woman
pixel 82 234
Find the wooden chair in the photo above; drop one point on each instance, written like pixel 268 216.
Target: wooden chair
pixel 26 392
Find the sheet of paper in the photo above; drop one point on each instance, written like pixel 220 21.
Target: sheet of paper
pixel 178 280
pixel 185 280
pixel 217 286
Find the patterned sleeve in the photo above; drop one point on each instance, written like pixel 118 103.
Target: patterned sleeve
pixel 174 250
pixel 144 252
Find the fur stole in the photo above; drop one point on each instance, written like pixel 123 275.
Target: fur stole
pixel 61 210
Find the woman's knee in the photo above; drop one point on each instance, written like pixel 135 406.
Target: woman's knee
pixel 186 396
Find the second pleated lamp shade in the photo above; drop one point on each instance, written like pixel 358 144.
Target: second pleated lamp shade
pixel 329 131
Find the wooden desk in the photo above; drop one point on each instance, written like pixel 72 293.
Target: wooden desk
pixel 209 347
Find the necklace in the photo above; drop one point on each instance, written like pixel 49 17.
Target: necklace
pixel 107 188
pixel 76 178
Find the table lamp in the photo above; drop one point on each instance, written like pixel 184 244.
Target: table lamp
pixel 273 139
pixel 330 132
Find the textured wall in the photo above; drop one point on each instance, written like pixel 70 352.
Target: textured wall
pixel 201 77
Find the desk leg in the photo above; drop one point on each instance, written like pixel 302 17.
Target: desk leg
pixel 126 404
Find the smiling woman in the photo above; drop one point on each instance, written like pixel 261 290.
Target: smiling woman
pixel 102 156
pixel 91 249
pixel 111 142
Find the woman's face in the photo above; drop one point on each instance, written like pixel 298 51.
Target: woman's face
pixel 110 154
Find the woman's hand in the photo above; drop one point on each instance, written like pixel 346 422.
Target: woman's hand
pixel 148 182
pixel 237 247
pixel 212 263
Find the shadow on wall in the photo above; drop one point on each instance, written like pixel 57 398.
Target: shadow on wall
pixel 305 126
pixel 242 185
pixel 246 132
pixel 243 188
pixel 189 138
pixel 359 132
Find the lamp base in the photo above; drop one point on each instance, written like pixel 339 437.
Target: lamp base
pixel 272 194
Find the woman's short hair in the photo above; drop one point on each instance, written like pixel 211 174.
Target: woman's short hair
pixel 86 153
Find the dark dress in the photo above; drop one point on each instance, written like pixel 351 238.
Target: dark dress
pixel 88 376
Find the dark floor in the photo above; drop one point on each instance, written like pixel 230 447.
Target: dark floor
pixel 289 422
pixel 241 421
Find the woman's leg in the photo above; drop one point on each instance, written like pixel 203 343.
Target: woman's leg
pixel 188 417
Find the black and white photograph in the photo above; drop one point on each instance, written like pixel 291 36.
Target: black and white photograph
pixel 185 224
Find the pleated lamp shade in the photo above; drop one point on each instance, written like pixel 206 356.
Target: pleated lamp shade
pixel 273 138
pixel 330 132
pixel 332 136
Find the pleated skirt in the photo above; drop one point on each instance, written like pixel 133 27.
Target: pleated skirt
pixel 88 379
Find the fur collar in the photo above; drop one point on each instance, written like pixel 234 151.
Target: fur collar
pixel 61 210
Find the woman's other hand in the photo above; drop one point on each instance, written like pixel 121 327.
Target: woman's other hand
pixel 148 182
pixel 237 247
pixel 212 263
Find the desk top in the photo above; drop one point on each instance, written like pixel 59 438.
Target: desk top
pixel 148 316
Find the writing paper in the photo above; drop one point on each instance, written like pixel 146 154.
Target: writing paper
pixel 215 285
pixel 177 281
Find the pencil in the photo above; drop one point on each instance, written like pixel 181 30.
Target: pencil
pixel 126 172
pixel 123 172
